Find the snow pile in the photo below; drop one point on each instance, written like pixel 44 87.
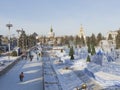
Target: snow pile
pixel 79 64
pixel 4 61
pixel 107 79
pixel 67 78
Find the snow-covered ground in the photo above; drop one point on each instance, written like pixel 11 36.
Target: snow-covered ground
pixel 69 80
pixel 33 79
pixel 60 73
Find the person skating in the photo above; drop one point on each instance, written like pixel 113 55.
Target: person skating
pixel 21 76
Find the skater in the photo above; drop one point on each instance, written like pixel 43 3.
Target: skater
pixel 21 76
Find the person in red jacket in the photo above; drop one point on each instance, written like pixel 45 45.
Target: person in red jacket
pixel 21 76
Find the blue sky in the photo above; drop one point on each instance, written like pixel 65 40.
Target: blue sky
pixel 65 16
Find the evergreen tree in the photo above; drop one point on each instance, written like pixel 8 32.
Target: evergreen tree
pixel 89 49
pixel 93 40
pixel 82 41
pixel 71 53
pixel 62 41
pixel 22 40
pixel 66 40
pixel 70 38
pixel 110 37
pixel 99 38
pixel 77 40
pixel 88 59
pixel 118 40
pixel 88 41
pixel 93 50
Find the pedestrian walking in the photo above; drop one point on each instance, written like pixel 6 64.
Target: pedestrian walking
pixel 31 57
pixel 21 76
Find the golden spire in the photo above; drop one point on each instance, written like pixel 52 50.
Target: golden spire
pixel 81 28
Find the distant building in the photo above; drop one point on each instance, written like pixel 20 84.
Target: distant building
pixel 81 33
pixel 51 34
pixel 113 34
pixel 107 45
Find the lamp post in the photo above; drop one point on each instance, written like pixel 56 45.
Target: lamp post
pixel 9 26
pixel 18 31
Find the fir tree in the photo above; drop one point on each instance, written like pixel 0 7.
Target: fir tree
pixel 88 59
pixel 89 49
pixel 93 40
pixel 88 41
pixel 82 41
pixel 99 38
pixel 77 40
pixel 71 53
pixel 22 40
pixel 93 50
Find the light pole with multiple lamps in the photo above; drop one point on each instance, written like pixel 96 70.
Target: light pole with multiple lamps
pixel 9 26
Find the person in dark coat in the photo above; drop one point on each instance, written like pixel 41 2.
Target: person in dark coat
pixel 31 57
pixel 21 76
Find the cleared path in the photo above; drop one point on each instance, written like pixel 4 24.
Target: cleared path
pixel 33 79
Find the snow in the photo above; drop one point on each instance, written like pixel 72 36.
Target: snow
pixel 60 73
pixel 33 76
pixel 67 78
pixel 107 76
pixel 78 64
pixel 5 61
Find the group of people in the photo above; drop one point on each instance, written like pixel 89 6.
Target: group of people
pixel 27 56
pixel 30 56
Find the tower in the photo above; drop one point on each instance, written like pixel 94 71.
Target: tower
pixel 81 33
pixel 51 34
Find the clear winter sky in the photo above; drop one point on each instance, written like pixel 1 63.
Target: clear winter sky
pixel 65 16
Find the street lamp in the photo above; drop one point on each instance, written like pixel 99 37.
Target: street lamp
pixel 18 31
pixel 9 26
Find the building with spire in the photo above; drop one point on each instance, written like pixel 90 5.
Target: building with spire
pixel 81 33
pixel 51 34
